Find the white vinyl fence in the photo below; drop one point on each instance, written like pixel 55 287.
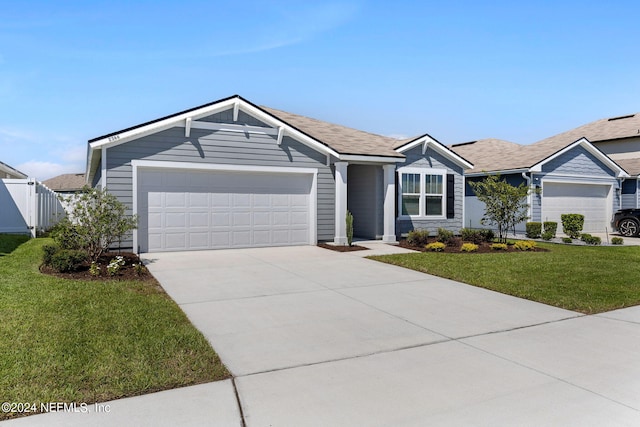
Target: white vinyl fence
pixel 27 206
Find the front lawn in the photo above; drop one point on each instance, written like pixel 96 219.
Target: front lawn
pixel 588 279
pixel 78 342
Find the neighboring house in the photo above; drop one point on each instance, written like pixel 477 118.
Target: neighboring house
pixel 586 170
pixel 7 172
pixel 66 185
pixel 232 174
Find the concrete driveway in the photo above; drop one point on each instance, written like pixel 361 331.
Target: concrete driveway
pixel 316 337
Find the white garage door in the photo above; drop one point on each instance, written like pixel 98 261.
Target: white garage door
pixel 191 210
pixel 592 201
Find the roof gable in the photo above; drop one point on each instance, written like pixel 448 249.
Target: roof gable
pixel 585 144
pixel 426 141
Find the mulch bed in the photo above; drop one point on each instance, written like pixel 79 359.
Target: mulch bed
pixel 342 248
pixel 126 272
pixel 454 247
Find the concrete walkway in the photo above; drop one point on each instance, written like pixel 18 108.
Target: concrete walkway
pixel 316 337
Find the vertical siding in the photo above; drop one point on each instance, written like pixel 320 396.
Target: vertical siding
pixel 364 200
pixel 433 159
pixel 204 146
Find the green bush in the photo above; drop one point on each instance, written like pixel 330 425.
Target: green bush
pixel 499 246
pixel 468 247
pixel 445 236
pixel 66 234
pixel 590 240
pixel 47 253
pixel 617 240
pixel 477 236
pixel 567 240
pixel 550 227
pixel 525 245
pixel 548 235
pixel 534 229
pixel 488 235
pixel 572 224
pixel 66 260
pixel 418 237
pixel 436 246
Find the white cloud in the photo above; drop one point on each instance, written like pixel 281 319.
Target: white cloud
pixel 45 170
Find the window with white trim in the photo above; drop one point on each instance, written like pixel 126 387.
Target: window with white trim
pixel 422 192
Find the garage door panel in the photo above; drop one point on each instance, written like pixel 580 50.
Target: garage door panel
pixel 221 200
pixel 175 219
pixel 199 240
pixel 199 219
pixel 221 219
pixel 182 210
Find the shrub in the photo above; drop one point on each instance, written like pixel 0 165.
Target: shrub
pixel 349 221
pixel 617 240
pixel 477 236
pixel 94 269
pixel 499 246
pixel 99 220
pixel 550 227
pixel 534 229
pixel 572 224
pixel 445 236
pixel 418 237
pixel 468 247
pixel 436 246
pixel 66 234
pixel 488 235
pixel 66 260
pixel 567 240
pixel 114 265
pixel 548 235
pixel 139 269
pixel 525 245
pixel 47 253
pixel 590 240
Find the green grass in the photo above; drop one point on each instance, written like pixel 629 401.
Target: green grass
pixel 88 341
pixel 588 279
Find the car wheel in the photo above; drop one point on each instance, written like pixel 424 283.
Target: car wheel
pixel 629 227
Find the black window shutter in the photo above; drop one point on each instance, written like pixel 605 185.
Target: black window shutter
pixel 451 196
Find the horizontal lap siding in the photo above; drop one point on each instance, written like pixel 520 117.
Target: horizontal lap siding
pixel 218 147
pixel 433 159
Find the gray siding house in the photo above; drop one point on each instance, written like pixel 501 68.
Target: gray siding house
pixel 592 170
pixel 232 174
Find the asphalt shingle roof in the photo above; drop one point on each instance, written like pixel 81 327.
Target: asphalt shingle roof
pixel 495 155
pixel 66 182
pixel 342 139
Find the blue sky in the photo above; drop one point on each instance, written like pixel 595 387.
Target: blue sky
pixel 459 70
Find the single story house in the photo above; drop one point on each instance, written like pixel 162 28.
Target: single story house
pixel 592 170
pixel 232 174
pixel 8 172
pixel 67 183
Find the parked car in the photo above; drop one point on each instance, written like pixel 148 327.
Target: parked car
pixel 627 222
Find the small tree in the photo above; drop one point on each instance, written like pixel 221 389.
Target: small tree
pixel 98 219
pixel 505 205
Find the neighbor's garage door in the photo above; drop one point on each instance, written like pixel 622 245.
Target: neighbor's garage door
pixel 191 210
pixel 592 201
